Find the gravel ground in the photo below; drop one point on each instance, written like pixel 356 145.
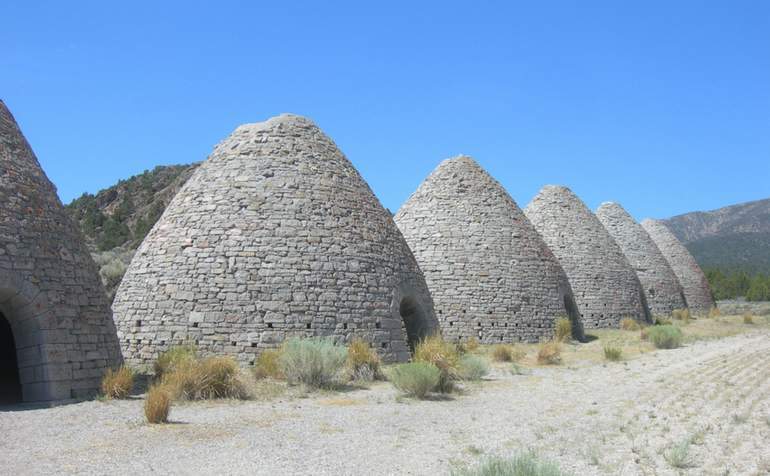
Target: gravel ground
pixel 620 418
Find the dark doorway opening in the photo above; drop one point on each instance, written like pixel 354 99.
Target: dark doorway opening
pixel 10 386
pixel 414 321
pixel 574 317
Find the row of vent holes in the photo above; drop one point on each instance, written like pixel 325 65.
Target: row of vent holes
pixel 377 325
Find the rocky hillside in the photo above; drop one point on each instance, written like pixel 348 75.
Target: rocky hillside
pixel 731 238
pixel 116 219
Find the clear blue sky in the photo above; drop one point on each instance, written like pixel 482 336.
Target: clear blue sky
pixel 663 106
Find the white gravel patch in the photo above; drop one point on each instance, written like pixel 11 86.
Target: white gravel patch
pixel 617 418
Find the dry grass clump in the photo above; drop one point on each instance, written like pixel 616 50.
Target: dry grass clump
pixel 549 353
pixel 748 318
pixel 363 362
pixel 168 361
pixel 662 321
pixel 316 362
pixel 502 353
pixel 524 464
pixel 613 353
pixel 681 315
pixel 563 330
pixel 714 312
pixel 472 344
pixel 415 379
pixel 209 378
pixel 118 383
pixel 472 368
pixel 268 365
pixel 628 324
pixel 157 405
pixel 665 337
pixel 435 350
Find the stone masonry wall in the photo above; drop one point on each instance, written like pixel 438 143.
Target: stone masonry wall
pixel 50 291
pixel 489 272
pixel 605 285
pixel 275 235
pixel 660 284
pixel 694 283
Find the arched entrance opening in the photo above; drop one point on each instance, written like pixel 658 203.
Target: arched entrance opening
pixel 10 385
pixel 574 316
pixel 414 321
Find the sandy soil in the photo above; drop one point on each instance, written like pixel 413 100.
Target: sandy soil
pixel 591 418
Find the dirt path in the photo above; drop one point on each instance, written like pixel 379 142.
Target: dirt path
pixel 621 418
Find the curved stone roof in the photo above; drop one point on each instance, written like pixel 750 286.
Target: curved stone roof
pixel 605 285
pixel 660 284
pixel 275 235
pixel 489 272
pixel 50 291
pixel 694 283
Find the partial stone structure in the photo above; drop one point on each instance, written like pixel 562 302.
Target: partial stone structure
pixel 56 332
pixel 694 283
pixel 489 272
pixel 661 286
pixel 276 235
pixel 605 285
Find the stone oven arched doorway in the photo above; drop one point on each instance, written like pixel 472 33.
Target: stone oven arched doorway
pixel 415 321
pixel 10 384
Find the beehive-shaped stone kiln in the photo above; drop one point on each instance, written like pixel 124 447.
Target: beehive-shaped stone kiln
pixel 661 286
pixel 490 274
pixel 605 285
pixel 276 235
pixel 694 283
pixel 57 337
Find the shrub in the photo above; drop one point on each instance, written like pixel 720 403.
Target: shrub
pixel 471 367
pixel 118 383
pixel 629 324
pixel 563 330
pixel 435 350
pixel 268 365
pixel 315 362
pixel 525 464
pixel 502 353
pixel 612 353
pixel 549 353
pixel 363 361
pixel 415 379
pixel 157 405
pixel 210 378
pixel 168 361
pixel 748 318
pixel 679 455
pixel 665 337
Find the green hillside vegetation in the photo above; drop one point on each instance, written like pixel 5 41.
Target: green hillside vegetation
pixel 749 252
pixel 734 284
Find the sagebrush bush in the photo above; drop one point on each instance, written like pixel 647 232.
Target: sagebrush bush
pixel 435 350
pixel 315 362
pixel 665 337
pixel 206 379
pixel 678 456
pixel 563 330
pixel 157 404
pixel 118 383
pixel 628 324
pixel 268 365
pixel 471 367
pixel 612 353
pixel 748 318
pixel 363 362
pixel 415 379
pixel 524 464
pixel 549 353
pixel 169 360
